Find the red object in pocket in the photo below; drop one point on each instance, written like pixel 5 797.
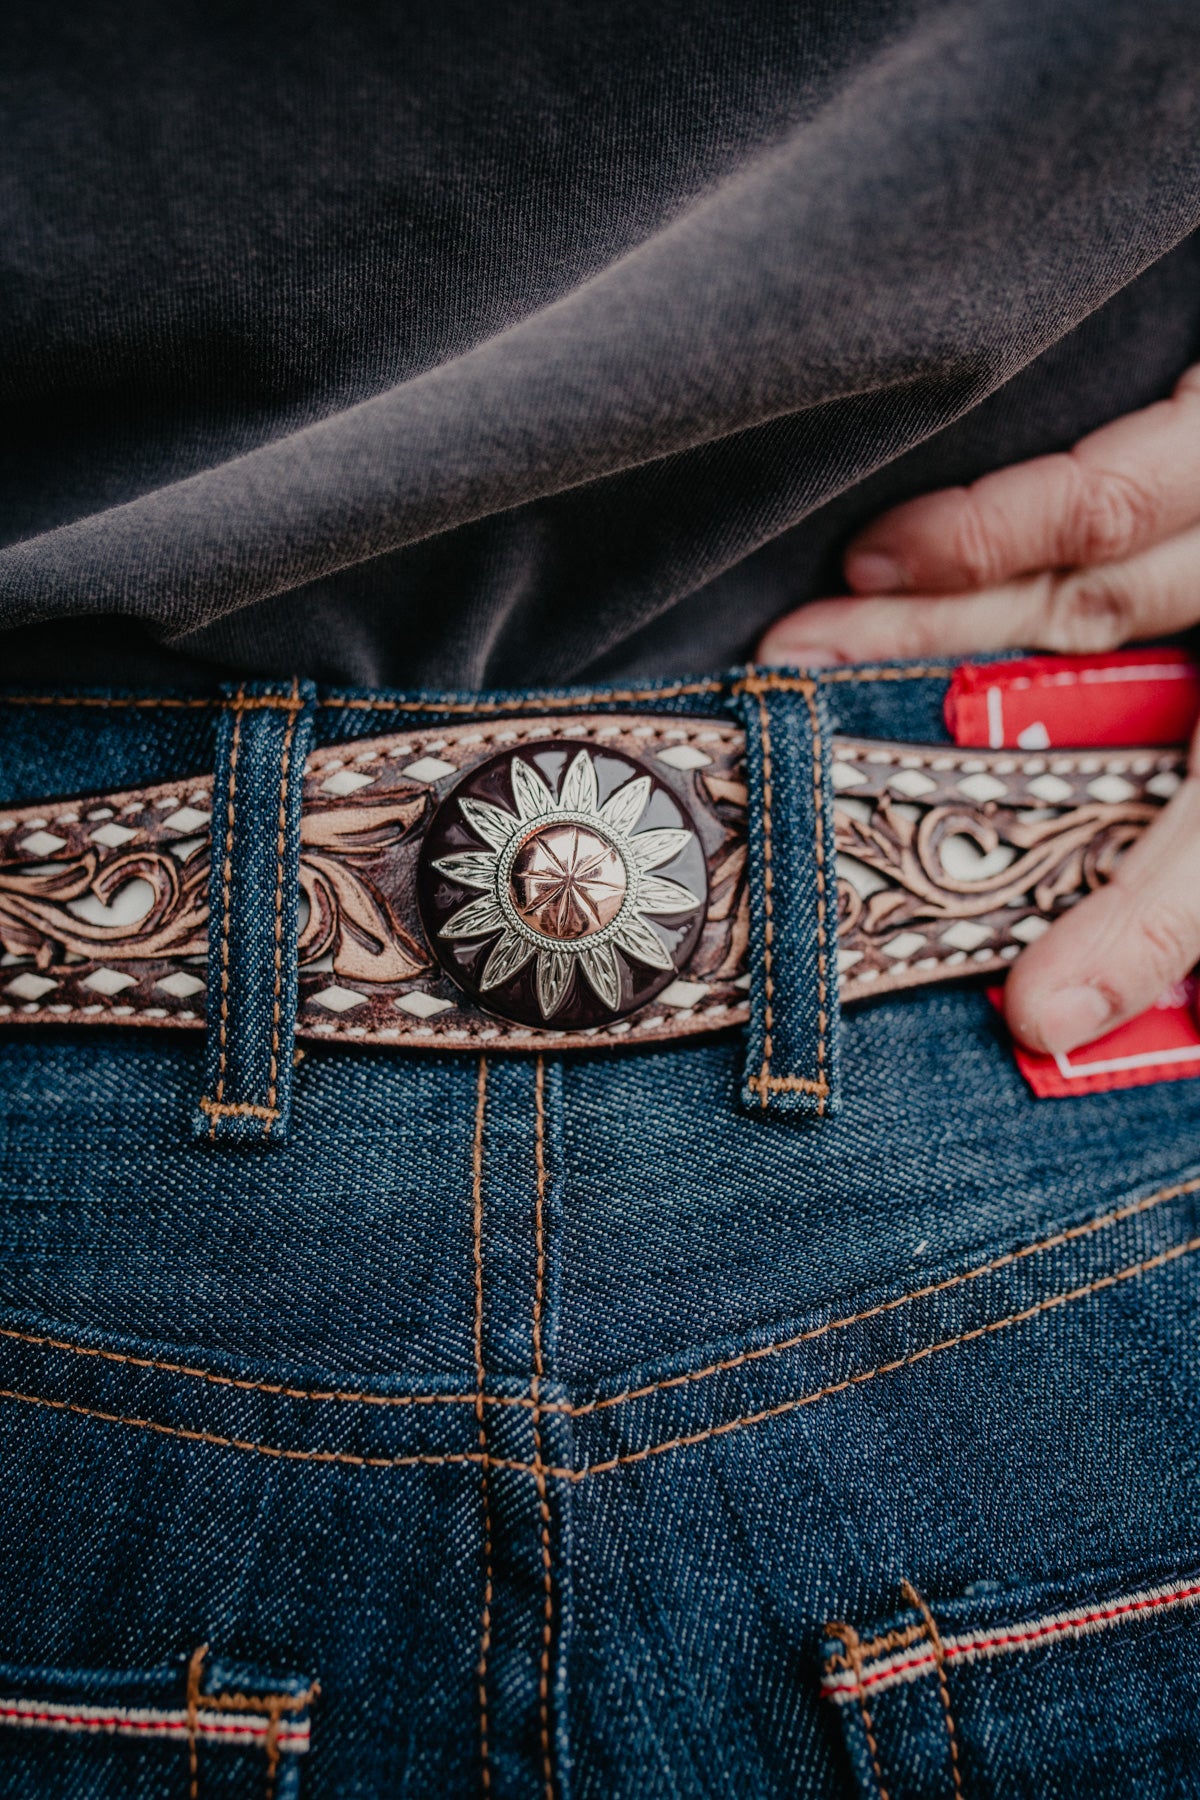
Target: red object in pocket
pixel 1160 1045
pixel 1135 697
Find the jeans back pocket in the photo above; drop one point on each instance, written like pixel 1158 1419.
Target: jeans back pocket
pixel 196 1729
pixel 1089 1687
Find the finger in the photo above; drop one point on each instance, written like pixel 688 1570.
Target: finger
pixel 1149 595
pixel 1123 946
pixel 1129 484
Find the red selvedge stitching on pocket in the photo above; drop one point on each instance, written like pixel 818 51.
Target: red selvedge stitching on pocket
pixel 987 1643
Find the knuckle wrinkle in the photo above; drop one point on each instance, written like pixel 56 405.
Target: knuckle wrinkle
pixel 1111 514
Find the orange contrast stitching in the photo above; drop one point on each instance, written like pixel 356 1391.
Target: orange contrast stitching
pixel 939 1656
pixel 899 1362
pixel 1131 1272
pixel 849 1637
pixel 96 700
pixel 924 672
pixel 226 910
pixel 539 1472
pixel 195 1666
pixel 294 707
pixel 582 1409
pixel 485 1624
pixel 891 1640
pixel 536 703
pixel 233 1109
pixel 1088 1229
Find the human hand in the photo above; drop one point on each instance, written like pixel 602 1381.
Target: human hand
pixel 1073 554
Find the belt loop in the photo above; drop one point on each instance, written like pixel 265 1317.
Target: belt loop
pixel 262 743
pixel 792 1049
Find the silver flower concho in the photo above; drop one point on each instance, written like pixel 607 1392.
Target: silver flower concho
pixel 568 881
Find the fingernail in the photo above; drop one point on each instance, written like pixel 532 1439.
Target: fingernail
pixel 1072 1016
pixel 798 656
pixel 870 572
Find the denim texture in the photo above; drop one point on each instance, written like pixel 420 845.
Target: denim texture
pixel 549 1411
pixel 262 741
pixel 792 1048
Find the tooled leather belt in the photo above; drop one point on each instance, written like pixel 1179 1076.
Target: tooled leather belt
pixel 555 881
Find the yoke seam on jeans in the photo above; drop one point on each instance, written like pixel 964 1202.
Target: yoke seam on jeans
pixel 582 1409
pixel 929 1628
pixel 847 1635
pixel 687 1440
pixel 485 1622
pixel 539 1470
pixel 1068 1235
pixel 441 1459
pixel 280 849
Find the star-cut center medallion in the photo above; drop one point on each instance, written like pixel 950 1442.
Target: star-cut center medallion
pixel 547 901
pixel 567 882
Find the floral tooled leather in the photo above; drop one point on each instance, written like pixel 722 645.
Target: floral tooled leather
pixel 949 861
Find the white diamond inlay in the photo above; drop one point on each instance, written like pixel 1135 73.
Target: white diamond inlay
pixel 911 782
pixel 845 775
pixel 683 993
pixel 428 768
pixel 108 981
pixel 1034 737
pixel 982 787
pixel 848 958
pixel 346 782
pixel 42 843
pixel 1164 784
pixel 965 936
pixel 1051 788
pixel 188 818
pixel 181 985
pixel 1111 788
pixel 684 756
pixel 339 999
pixel 1029 929
pixel 30 987
pixel 113 836
pixel 422 1006
pixel 905 945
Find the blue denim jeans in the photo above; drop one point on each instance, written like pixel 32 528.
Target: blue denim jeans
pixel 566 1427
